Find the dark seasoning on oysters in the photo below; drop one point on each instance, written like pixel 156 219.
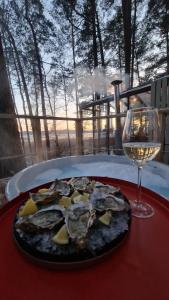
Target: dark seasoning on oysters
pixel 72 220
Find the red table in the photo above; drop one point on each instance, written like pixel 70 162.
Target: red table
pixel 138 269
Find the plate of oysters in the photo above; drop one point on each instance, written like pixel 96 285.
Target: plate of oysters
pixel 72 222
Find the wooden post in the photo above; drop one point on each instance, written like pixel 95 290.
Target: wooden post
pixel 99 128
pixel 166 145
pixel 118 131
pixel 160 155
pixel 108 129
pixel 159 99
pixel 94 129
pixel 79 135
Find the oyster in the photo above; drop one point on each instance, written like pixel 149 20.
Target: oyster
pixel 109 202
pixel 45 197
pixel 107 189
pixel 80 183
pixel 45 219
pixel 79 217
pixel 60 186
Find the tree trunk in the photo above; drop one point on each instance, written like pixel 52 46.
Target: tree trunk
pixel 101 51
pixel 167 42
pixel 12 94
pixel 16 111
pixel 167 37
pixel 126 8
pixel 52 112
pixel 12 42
pixel 95 62
pixel 24 108
pixel 95 56
pixel 35 88
pixel 133 42
pixel 100 41
pixel 55 128
pixel 10 140
pixel 38 58
pixel 74 65
pixel 137 67
pixel 120 59
pixel 47 93
pixel 68 135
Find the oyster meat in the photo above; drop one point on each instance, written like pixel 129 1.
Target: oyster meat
pixel 60 186
pixel 107 189
pixel 109 202
pixel 44 198
pixel 80 183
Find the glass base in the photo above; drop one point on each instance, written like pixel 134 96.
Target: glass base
pixel 141 209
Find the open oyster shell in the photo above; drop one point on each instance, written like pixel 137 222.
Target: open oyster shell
pixel 44 198
pixel 107 189
pixel 109 202
pixel 60 186
pixel 80 183
pixel 45 219
pixel 79 217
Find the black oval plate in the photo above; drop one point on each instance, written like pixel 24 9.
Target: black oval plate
pixel 80 258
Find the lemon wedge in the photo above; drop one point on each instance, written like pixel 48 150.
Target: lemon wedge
pixel 81 198
pixel 75 194
pixel 65 201
pixel 85 197
pixel 61 236
pixel 106 218
pixel 77 199
pixel 29 208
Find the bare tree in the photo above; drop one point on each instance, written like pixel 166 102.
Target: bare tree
pixel 126 8
pixel 9 134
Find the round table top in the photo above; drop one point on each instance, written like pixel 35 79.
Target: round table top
pixel 138 269
pixel 155 175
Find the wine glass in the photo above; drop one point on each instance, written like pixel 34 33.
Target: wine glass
pixel 141 143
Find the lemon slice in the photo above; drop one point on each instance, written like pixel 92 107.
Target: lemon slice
pixel 43 190
pixel 75 194
pixel 29 208
pixel 61 236
pixel 81 198
pixel 85 197
pixel 106 218
pixel 65 201
pixel 77 199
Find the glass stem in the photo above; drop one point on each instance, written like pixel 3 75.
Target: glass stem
pixel 139 184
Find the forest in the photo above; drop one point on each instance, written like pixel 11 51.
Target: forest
pixel 56 53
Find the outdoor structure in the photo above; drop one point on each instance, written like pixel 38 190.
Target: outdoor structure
pixel 155 94
pixel 105 121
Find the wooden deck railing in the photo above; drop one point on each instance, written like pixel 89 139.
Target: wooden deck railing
pixel 79 139
pixel 76 139
pixel 80 142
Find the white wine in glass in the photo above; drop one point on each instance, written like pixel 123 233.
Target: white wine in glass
pixel 141 143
